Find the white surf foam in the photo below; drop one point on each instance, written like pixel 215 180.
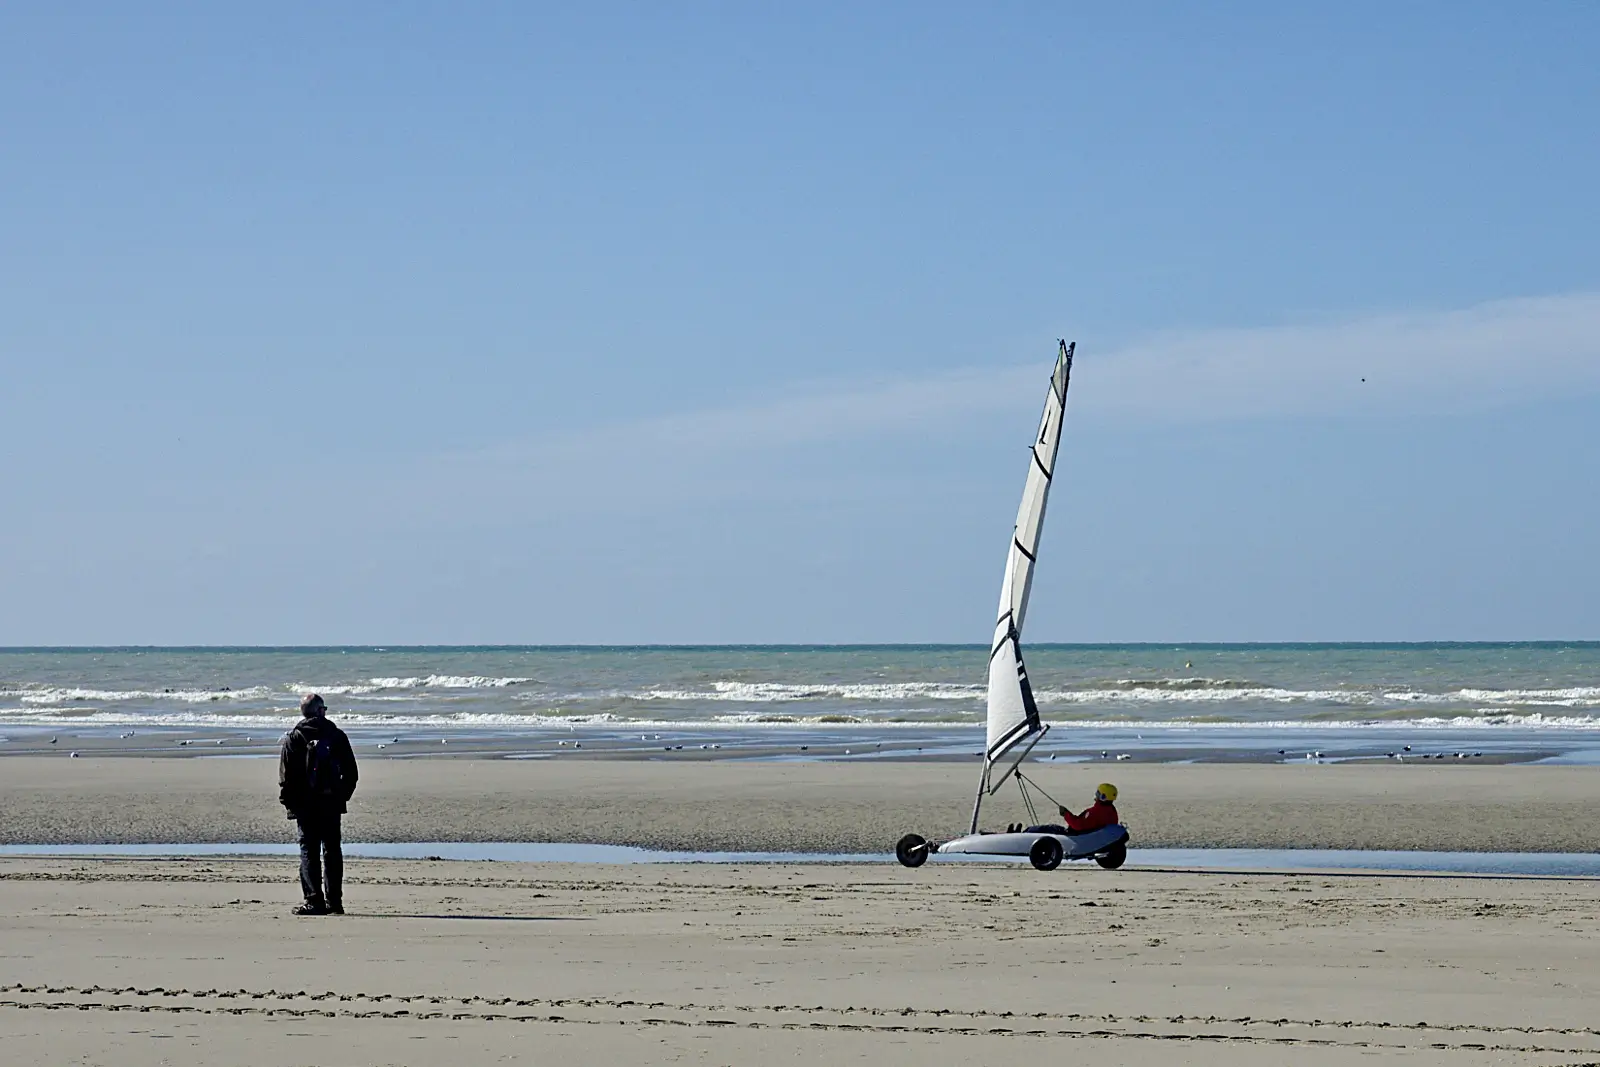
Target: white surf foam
pixel 779 692
pixel 1571 697
pixel 1485 719
pixel 446 681
pixel 71 695
pixel 1156 691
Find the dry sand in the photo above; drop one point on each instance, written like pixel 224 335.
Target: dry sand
pixel 134 963
pixel 806 807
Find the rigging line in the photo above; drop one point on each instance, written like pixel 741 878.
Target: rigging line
pixel 1027 802
pixel 1030 781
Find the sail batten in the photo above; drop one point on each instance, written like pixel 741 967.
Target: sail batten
pixel 1012 713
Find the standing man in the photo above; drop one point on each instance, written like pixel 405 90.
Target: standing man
pixel 316 778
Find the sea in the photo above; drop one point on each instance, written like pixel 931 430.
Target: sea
pixel 1534 701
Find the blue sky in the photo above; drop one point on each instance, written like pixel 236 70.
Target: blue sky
pixel 718 322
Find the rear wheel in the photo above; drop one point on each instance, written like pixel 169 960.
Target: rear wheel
pixel 912 850
pixel 1113 857
pixel 1045 855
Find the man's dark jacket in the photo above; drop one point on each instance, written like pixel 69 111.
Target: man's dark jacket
pixel 294 788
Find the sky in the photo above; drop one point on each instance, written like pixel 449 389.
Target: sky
pixel 713 322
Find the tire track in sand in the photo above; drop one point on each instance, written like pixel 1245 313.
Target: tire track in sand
pixel 601 1011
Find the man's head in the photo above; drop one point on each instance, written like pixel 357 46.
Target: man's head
pixel 1105 793
pixel 311 706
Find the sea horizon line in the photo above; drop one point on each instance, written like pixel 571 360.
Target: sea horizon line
pixel 909 646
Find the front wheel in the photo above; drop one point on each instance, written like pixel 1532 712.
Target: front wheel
pixel 1113 857
pixel 1045 855
pixel 912 850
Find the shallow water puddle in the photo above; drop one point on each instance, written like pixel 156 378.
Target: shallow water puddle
pixel 1568 864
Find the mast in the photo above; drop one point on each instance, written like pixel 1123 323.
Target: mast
pixel 1013 716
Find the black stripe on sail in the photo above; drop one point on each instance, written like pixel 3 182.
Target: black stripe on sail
pixel 1029 707
pixel 1011 633
pixel 1012 736
pixel 1040 463
pixel 1023 550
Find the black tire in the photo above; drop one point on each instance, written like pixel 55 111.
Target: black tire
pixel 912 850
pixel 1113 857
pixel 1045 855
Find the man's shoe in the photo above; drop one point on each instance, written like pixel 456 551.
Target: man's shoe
pixel 310 909
pixel 335 909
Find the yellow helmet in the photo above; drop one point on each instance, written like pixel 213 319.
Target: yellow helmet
pixel 1107 790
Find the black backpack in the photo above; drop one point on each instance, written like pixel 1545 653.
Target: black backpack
pixel 324 772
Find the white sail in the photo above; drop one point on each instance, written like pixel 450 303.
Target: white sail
pixel 1013 715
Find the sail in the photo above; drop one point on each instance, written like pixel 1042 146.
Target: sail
pixel 1013 715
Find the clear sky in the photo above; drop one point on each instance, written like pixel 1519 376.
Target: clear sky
pixel 412 322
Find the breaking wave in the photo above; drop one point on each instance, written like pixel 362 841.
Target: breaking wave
pixel 281 720
pixel 779 692
pixel 53 696
pixel 1149 691
pixel 446 681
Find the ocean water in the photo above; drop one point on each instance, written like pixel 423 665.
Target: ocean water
pixel 1543 695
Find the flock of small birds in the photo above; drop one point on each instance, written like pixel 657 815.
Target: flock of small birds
pixel 1401 756
pixel 1314 755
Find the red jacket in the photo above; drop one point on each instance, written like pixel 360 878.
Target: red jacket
pixel 1096 816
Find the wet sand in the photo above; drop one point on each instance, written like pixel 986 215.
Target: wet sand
pixel 144 962
pixel 806 807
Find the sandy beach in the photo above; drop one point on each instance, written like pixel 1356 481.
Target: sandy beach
pixel 198 961
pixel 133 962
pixel 805 807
